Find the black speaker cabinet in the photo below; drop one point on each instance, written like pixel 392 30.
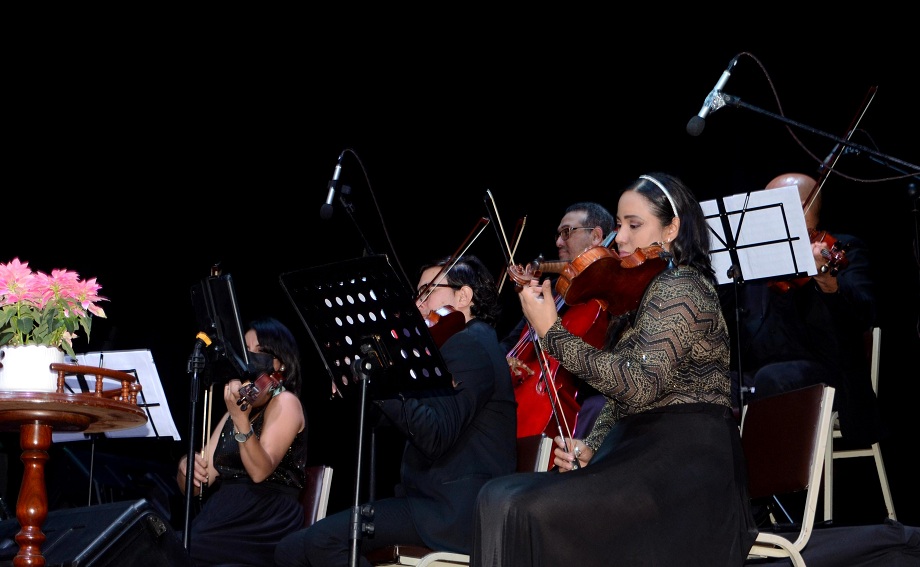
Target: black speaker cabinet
pixel 105 535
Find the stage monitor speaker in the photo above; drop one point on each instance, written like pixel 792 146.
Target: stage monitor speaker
pixel 105 535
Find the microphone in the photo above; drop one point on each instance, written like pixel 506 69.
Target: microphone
pixel 698 122
pixel 196 361
pixel 325 212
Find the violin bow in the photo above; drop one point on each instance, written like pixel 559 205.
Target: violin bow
pixel 519 230
pixel 461 250
pixel 838 150
pixel 507 250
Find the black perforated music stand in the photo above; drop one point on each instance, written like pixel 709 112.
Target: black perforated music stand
pixel 359 307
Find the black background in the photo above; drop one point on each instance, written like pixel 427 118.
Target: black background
pixel 143 163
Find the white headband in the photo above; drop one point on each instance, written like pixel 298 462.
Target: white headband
pixel 663 190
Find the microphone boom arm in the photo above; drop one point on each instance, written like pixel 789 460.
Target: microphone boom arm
pixel 721 99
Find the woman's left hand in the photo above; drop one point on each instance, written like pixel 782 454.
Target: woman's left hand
pixel 232 397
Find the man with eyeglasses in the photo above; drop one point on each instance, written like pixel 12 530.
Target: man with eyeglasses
pixel 583 226
pixel 456 440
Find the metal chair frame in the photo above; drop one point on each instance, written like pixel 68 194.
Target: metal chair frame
pixel 873 450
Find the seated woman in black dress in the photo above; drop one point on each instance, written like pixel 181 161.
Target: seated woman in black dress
pixel 257 457
pixel 660 479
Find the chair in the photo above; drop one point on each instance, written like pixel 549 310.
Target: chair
pixel 784 438
pixel 315 494
pixel 832 452
pixel 534 454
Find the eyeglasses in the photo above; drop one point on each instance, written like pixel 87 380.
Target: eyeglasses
pixel 427 288
pixel 566 231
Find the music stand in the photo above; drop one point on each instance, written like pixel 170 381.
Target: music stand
pixel 360 305
pixel 369 334
pixel 755 236
pixel 140 363
pixel 217 312
pixel 759 235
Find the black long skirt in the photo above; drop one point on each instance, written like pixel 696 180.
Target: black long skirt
pixel 241 524
pixel 667 487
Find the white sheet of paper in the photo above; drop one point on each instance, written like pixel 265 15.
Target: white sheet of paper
pixel 151 398
pixel 773 240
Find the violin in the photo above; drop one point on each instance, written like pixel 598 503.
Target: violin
pixel 253 393
pixel 600 273
pixel 443 323
pixel 834 252
pixel 619 282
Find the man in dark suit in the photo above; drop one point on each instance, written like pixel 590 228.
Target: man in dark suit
pixel 796 333
pixel 456 440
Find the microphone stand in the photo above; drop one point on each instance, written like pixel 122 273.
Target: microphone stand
pixel 362 516
pixel 196 363
pixel 721 99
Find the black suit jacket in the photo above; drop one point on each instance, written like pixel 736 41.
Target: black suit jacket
pixel 805 324
pixel 457 440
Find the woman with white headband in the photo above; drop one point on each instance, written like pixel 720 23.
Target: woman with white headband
pixel 661 477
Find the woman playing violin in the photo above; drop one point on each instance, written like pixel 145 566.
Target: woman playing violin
pixel 456 440
pixel 257 456
pixel 794 336
pixel 662 471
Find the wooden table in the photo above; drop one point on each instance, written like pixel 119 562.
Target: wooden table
pixel 36 415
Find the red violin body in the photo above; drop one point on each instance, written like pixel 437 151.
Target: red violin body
pixel 535 405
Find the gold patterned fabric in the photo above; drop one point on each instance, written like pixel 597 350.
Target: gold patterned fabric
pixel 676 352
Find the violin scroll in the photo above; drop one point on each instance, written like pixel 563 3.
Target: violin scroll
pixel 835 253
pixel 523 275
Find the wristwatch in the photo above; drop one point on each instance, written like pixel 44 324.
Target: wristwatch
pixel 243 437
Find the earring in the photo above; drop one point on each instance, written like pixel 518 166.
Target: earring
pixel 281 369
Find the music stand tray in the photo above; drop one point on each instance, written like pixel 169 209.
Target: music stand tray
pixel 359 315
pixel 759 235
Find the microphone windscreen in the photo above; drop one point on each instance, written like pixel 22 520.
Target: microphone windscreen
pixel 695 126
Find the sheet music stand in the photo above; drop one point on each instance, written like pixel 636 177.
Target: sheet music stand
pixel 360 304
pixel 152 399
pixel 371 335
pixel 755 236
pixel 218 314
pixel 759 235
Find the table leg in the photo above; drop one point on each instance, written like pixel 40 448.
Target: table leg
pixel 32 506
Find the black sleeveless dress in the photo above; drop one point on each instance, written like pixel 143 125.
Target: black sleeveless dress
pixel 241 521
